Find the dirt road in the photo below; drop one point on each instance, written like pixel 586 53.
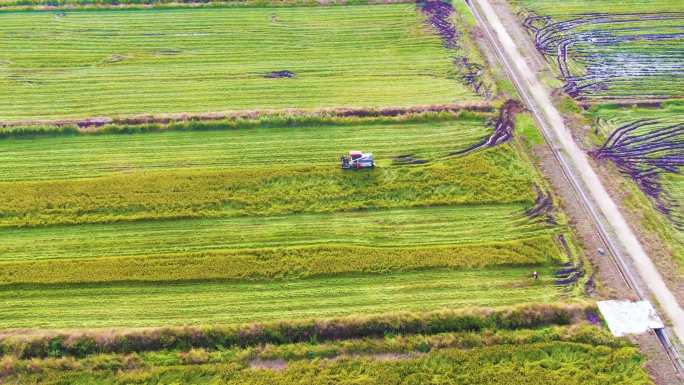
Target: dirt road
pixel 578 166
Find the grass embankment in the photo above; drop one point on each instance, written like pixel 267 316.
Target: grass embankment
pixel 554 363
pixel 144 4
pixel 473 346
pixel 115 63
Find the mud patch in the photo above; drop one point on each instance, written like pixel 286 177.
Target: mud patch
pixel 440 15
pixel 645 150
pixel 114 59
pixel 168 52
pixel 543 207
pixel 407 159
pixel 503 129
pixel 596 41
pixel 275 365
pixel 280 74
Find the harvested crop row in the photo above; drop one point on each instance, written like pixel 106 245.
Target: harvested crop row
pixel 265 147
pixel 385 228
pixel 203 60
pixel 132 304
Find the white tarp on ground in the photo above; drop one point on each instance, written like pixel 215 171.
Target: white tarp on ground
pixel 625 317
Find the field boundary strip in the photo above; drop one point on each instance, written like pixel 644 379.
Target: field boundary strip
pixel 94 123
pixel 28 343
pixel 95 5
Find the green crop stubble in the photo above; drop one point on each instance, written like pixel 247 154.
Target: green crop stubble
pixel 385 228
pixel 274 147
pixel 139 304
pixel 198 60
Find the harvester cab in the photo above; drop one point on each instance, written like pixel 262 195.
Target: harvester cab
pixel 357 160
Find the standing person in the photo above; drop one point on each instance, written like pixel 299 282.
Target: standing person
pixel 535 275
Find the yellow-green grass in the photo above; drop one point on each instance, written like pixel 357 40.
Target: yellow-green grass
pixel 133 304
pixel 119 63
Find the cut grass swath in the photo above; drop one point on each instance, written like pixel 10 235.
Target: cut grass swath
pixel 200 303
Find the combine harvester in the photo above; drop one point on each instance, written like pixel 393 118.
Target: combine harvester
pixel 357 160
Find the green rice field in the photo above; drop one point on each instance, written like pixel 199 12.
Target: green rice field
pixel 192 214
pixel 79 64
pixel 272 148
pixel 173 209
pixel 577 7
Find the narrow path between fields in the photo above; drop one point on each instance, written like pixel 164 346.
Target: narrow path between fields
pixel 582 169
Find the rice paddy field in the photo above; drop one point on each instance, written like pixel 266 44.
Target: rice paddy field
pixel 68 64
pixel 611 49
pixel 177 249
pixel 187 209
